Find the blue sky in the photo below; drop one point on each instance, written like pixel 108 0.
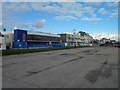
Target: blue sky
pixel 58 17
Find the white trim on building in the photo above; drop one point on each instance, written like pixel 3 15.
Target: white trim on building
pixel 2 43
pixel 76 39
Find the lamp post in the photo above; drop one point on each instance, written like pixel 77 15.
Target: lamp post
pixel 74 38
pixel 49 37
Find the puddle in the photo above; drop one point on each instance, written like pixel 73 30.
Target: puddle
pixel 114 66
pixel 104 71
pixel 107 72
pixel 86 51
pixel 81 57
pixel 95 51
pixel 98 54
pixel 65 54
pixel 93 75
pixel 29 73
pixel 8 65
pixel 89 53
pixel 45 53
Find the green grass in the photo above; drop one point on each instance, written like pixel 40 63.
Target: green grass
pixel 23 51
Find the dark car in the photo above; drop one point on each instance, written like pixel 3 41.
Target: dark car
pixel 116 44
pixel 119 44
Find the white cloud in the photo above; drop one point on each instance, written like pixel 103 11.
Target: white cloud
pixel 112 4
pixel 61 9
pixel 73 9
pixel 93 3
pixel 88 9
pixel 102 11
pixel 112 36
pixel 0 26
pixel 99 0
pixel 15 7
pixel 60 0
pixel 0 12
pixel 93 18
pixel 91 0
pixel 70 8
pixel 9 10
pixel 39 23
pixel 38 0
pixel 68 17
pixel 114 13
pixel 63 0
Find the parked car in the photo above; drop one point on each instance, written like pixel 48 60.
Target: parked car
pixel 119 44
pixel 115 44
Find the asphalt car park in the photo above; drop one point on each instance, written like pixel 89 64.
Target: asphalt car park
pixel 89 67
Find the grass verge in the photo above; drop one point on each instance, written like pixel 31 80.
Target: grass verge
pixel 25 50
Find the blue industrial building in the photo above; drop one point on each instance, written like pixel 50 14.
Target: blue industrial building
pixel 20 39
pixel 26 39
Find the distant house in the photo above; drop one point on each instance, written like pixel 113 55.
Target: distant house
pixel 70 39
pixel 104 41
pixel 96 41
pixel 2 42
pixel 76 38
pixel 113 41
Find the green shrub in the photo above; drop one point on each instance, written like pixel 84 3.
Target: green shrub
pixel 32 50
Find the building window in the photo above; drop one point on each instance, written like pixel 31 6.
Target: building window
pixel 24 37
pixel 0 45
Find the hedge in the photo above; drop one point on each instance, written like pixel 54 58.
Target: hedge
pixel 32 50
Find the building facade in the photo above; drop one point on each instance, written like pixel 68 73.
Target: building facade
pixel 76 38
pixel 25 39
pixel 2 42
pixel 18 38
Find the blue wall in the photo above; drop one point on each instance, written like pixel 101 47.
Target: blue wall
pixel 44 44
pixel 18 39
pixel 19 43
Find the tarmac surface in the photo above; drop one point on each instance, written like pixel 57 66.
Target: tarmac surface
pixel 90 67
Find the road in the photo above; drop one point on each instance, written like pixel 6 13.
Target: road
pixel 90 67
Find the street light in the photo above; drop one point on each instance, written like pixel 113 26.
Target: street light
pixel 74 38
pixel 49 36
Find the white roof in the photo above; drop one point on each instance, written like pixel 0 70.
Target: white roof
pixel 1 35
pixel 31 33
pixel 42 33
pixel 15 27
pixel 7 32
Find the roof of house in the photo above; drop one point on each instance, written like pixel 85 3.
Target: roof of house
pixel 1 35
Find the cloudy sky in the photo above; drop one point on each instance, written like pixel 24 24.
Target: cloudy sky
pixel 100 19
